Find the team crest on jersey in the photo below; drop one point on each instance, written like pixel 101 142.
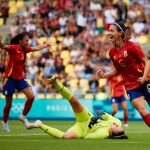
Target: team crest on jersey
pixel 125 54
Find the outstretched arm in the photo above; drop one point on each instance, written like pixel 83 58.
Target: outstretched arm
pixel 39 47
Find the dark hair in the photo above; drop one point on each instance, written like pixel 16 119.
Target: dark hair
pixel 120 135
pixel 120 26
pixel 18 37
pixel 128 28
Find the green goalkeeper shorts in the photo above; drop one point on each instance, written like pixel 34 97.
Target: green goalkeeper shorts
pixel 82 121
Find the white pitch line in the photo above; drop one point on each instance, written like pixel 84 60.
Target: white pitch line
pixel 137 132
pixel 22 134
pixel 68 141
pixel 36 134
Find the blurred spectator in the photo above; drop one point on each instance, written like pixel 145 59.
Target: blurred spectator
pixel 32 70
pixel 48 70
pixel 80 69
pixel 1 81
pixel 121 10
pixel 2 65
pixel 62 21
pixel 14 28
pixel 4 9
pixel 68 40
pixel 35 87
pixel 27 12
pixel 59 68
pixel 34 9
pixel 110 14
pixel 94 85
pixel 88 70
pixel 78 93
pixel 81 19
pixel 139 26
pixel 50 59
pixel 95 5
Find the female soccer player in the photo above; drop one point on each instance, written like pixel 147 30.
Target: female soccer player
pixel 14 75
pixel 117 93
pixel 129 61
pixel 86 126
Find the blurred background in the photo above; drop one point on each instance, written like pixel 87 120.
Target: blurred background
pixel 78 30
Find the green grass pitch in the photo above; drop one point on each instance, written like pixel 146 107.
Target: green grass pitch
pixel 21 139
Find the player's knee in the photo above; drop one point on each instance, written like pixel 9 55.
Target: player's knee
pixel 74 101
pixel 125 109
pixel 69 136
pixel 31 97
pixel 143 111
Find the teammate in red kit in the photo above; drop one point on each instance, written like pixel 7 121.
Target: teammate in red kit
pixel 130 62
pixel 117 93
pixel 14 75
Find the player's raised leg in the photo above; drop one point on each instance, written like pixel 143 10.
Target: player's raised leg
pixel 79 110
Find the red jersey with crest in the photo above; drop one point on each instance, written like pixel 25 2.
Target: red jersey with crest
pixel 128 62
pixel 116 86
pixel 16 62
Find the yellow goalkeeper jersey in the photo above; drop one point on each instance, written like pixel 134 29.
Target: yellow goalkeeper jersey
pixel 101 129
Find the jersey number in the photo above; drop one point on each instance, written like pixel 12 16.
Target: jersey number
pixel 122 64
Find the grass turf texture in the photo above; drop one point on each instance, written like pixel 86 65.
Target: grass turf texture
pixel 21 139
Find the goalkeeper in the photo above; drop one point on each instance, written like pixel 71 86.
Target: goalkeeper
pixel 102 126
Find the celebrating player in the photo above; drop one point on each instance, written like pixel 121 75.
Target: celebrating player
pixel 86 126
pixel 129 61
pixel 14 75
pixel 117 93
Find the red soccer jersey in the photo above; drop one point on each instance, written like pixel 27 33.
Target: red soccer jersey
pixel 16 62
pixel 128 62
pixel 116 86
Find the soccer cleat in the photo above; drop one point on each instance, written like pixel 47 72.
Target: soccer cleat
pixel 30 126
pixel 5 127
pixel 37 123
pixel 24 120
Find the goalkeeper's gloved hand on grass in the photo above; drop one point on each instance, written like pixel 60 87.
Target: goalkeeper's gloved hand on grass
pixel 94 120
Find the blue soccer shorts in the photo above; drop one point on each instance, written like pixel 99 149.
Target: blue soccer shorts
pixel 10 84
pixel 118 99
pixel 143 90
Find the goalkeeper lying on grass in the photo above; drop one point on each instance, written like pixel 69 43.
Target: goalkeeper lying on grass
pixel 101 127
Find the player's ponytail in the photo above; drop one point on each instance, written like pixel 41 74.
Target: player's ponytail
pixel 120 135
pixel 18 37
